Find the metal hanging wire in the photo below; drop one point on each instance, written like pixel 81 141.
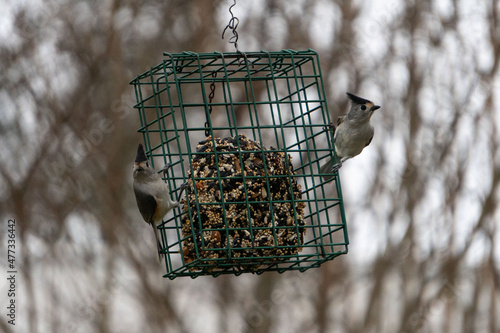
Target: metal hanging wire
pixel 232 25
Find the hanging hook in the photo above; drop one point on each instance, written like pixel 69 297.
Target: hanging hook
pixel 232 25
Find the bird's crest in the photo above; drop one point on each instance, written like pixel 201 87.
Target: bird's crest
pixel 141 156
pixel 357 99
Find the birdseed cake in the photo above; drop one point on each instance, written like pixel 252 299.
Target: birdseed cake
pixel 262 223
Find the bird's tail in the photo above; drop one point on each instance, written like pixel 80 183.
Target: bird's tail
pixel 327 168
pixel 157 240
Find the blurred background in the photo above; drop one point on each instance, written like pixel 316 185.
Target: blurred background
pixel 421 200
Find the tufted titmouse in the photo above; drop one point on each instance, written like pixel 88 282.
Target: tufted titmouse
pixel 152 194
pixel 354 132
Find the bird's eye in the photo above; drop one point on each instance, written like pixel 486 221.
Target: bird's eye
pixel 363 107
pixel 147 164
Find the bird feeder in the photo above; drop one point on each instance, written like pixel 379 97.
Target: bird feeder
pixel 248 133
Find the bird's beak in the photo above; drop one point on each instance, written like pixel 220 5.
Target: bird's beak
pixel 375 107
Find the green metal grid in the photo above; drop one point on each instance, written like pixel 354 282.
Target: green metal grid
pixel 275 98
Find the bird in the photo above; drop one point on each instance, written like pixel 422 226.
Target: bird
pixel 152 194
pixel 353 133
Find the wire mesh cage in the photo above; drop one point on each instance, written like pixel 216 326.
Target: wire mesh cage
pixel 247 132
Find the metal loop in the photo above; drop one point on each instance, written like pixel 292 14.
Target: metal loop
pixel 232 25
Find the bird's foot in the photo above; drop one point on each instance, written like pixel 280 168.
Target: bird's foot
pixel 166 168
pixel 330 127
pixel 337 166
pixel 184 186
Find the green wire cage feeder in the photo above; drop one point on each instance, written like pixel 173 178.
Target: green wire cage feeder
pixel 247 132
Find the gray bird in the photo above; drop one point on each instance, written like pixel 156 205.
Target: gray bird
pixel 354 132
pixel 152 194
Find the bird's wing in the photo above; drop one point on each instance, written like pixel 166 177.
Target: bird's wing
pixel 340 120
pixel 369 141
pixel 146 203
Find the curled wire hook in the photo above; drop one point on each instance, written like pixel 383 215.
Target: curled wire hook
pixel 232 25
